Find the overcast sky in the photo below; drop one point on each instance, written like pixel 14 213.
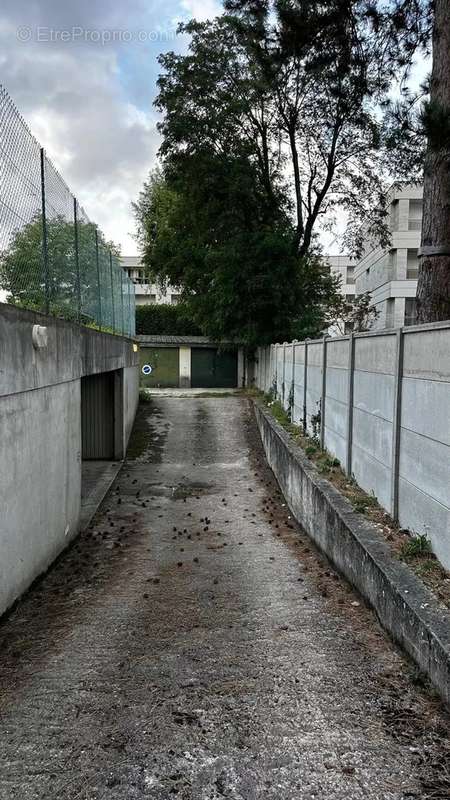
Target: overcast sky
pixel 83 75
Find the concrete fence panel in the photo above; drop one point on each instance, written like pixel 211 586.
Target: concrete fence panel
pixel 314 386
pixel 373 414
pixel 279 361
pixel 288 373
pixel 424 462
pixel 384 403
pixel 336 398
pixel 299 384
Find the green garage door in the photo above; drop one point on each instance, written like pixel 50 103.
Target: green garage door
pixel 159 367
pixel 213 370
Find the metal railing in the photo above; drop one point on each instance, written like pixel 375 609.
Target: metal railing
pixel 52 257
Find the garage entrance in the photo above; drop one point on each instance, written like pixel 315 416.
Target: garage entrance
pixel 160 367
pixel 97 416
pixel 211 369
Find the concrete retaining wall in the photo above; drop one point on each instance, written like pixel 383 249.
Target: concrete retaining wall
pixel 404 606
pixel 40 435
pixel 384 403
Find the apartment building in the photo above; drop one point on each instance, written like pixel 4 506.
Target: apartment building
pixel 390 275
pixel 344 266
pixel 146 293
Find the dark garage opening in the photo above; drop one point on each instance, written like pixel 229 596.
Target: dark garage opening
pixel 99 465
pixel 213 369
pixel 97 417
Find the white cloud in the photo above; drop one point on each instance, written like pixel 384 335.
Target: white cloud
pixel 74 98
pixel 202 9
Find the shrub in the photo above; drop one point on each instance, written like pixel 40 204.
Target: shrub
pixel 165 320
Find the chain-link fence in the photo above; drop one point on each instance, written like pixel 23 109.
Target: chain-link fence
pixel 52 258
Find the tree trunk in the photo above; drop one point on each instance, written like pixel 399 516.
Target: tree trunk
pixel 433 290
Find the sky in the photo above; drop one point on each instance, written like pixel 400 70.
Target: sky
pixel 83 75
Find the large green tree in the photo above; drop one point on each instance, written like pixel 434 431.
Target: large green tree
pixel 29 283
pixel 270 125
pixel 209 230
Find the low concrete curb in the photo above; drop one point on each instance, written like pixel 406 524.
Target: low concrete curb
pixel 405 607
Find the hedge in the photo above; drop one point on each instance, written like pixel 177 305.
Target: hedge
pixel 165 320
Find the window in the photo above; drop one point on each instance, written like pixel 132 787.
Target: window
pixel 394 215
pixel 175 298
pixel 410 311
pixel 415 215
pixel 350 275
pixel 412 265
pixel 390 309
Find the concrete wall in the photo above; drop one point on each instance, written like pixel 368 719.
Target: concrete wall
pixel 385 414
pixel 40 435
pixel 404 605
pixel 130 400
pixel 185 367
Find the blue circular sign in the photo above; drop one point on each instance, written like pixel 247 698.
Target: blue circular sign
pixel 147 369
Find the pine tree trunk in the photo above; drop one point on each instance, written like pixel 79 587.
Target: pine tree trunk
pixel 433 290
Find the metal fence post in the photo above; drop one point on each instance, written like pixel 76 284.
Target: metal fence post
pixel 121 300
pixel 324 392
pixel 99 286
pixel 77 258
pixel 305 385
pixel 351 382
pixel 396 423
pixel 44 236
pixel 112 291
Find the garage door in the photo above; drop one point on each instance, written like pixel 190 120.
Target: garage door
pixel 160 367
pixel 97 416
pixel 211 369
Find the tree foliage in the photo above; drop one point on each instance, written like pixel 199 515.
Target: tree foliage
pixel 271 125
pixel 165 320
pixel 27 283
pixel 234 265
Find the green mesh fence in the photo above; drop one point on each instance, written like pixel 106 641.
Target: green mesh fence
pixel 52 257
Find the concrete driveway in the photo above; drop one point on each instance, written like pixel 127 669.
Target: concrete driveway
pixel 193 644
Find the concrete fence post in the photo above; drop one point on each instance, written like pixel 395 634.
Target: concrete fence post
pixel 324 392
pixel 351 383
pixel 275 372
pixel 396 422
pixel 293 381
pixel 305 385
pixel 283 385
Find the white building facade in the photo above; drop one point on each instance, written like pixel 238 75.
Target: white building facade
pixel 344 267
pixel 146 293
pixel 391 275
